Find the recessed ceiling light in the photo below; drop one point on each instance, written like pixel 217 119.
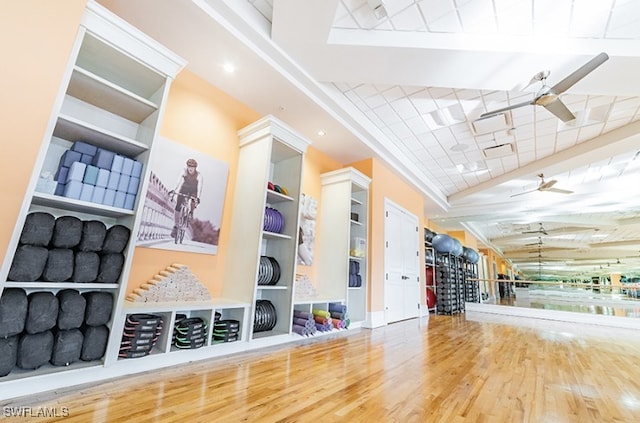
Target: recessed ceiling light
pixel 229 67
pixel 322 133
pixel 459 147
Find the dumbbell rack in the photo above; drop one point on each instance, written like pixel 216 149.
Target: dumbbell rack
pixel 471 289
pixel 449 284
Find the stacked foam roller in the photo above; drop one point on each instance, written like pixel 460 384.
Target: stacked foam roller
pixel 189 332
pixel 140 334
pixel 88 173
pixel 41 328
pixel 68 249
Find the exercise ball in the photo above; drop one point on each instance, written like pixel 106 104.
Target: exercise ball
pixel 457 248
pixel 428 235
pixel 472 255
pixel 443 243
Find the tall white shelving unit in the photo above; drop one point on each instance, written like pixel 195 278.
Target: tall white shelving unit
pixel 112 97
pixel 343 235
pixel 270 151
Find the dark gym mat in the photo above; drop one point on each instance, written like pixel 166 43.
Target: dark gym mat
pixel 28 263
pixel 42 313
pixel 71 310
pixel 13 311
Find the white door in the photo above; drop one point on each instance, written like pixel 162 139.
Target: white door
pixel 402 280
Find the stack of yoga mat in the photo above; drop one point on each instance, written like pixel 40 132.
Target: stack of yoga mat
pixel 323 320
pixel 303 323
pixel 339 315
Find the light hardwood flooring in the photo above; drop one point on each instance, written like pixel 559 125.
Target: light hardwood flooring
pixel 463 368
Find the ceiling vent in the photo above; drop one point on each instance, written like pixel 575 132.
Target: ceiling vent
pixel 493 123
pixel 498 151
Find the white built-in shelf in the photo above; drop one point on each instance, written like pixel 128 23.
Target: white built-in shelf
pixel 272 287
pixel 72 129
pixel 355 222
pixel 60 285
pixel 276 197
pixel 274 235
pixel 92 89
pixel 57 201
pixel 216 303
pixel 355 288
pixel 356 258
pixel 318 300
pixel 354 201
pixel 18 373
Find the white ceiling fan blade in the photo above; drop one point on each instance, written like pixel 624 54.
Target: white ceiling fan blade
pixel 579 73
pixel 558 190
pixel 561 111
pixel 504 109
pixel 525 192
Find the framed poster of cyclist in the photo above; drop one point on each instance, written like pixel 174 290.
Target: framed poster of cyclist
pixel 184 200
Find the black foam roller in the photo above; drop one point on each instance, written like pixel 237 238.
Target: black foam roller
pixel 116 239
pixel 67 232
pixel 93 233
pixel 71 310
pixel 13 311
pixel 95 343
pixel 34 350
pixel 42 313
pixel 59 266
pixel 110 268
pixel 8 354
pixel 38 229
pixel 99 307
pixel 67 346
pixel 28 263
pixel 86 266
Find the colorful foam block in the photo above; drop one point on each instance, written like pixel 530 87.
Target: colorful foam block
pixel 98 195
pixel 133 185
pixel 90 175
pixel 87 192
pixel 69 157
pixel 84 148
pixel 73 189
pixel 61 174
pixel 129 201
pixel 119 199
pixel 103 178
pixel 103 158
pixel 60 189
pixel 116 165
pixel 137 169
pixel 127 166
pixel 76 172
pixel 109 197
pixel 86 159
pixel 114 180
pixel 123 183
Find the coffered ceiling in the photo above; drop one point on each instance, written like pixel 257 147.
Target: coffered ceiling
pixel 407 83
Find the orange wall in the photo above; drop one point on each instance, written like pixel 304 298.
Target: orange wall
pixel 386 184
pixel 206 119
pixel 35 48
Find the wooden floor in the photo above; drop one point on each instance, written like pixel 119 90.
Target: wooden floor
pixel 466 368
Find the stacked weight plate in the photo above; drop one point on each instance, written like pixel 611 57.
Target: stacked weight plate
pixel 471 291
pixel 226 330
pixel 268 271
pixel 449 285
pixel 266 317
pixel 189 332
pixel 273 220
pixel 141 331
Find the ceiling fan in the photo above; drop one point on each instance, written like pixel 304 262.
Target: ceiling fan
pixel 545 186
pixel 549 97
pixel 540 230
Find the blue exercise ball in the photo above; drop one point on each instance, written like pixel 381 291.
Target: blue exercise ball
pixel 457 248
pixel 443 243
pixel 473 256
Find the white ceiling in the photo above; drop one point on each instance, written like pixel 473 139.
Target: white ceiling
pixel 406 89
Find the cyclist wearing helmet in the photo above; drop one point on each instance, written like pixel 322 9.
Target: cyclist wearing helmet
pixel 189 183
